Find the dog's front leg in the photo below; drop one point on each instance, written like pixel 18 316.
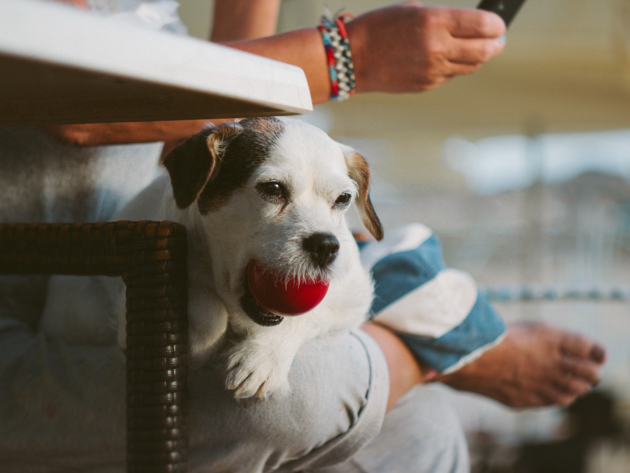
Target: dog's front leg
pixel 207 320
pixel 259 365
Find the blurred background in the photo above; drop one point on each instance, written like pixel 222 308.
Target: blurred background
pixel 523 171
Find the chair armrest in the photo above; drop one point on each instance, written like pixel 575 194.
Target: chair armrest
pixel 151 258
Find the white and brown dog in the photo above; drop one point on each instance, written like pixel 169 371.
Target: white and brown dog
pixel 267 192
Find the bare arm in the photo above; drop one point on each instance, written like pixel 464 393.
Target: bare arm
pixel 94 134
pixel 302 48
pixel 244 19
pixel 401 48
pixel 404 370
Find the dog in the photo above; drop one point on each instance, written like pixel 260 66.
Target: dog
pixel 269 192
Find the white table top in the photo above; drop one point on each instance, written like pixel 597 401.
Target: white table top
pixel 62 65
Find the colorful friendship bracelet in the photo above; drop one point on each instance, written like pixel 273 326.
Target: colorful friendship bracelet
pixel 340 67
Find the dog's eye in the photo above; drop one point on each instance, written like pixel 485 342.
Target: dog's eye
pixel 271 189
pixel 343 199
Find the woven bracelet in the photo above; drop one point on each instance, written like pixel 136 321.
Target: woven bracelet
pixel 340 67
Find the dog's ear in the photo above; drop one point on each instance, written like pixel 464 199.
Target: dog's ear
pixel 196 161
pixel 359 172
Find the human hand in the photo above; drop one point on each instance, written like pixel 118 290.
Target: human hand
pixel 411 48
pixel 535 365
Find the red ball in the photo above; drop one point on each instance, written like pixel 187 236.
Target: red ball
pixel 283 297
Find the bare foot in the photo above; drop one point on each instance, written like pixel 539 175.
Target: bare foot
pixel 535 365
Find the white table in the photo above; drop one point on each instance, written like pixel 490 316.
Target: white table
pixel 63 65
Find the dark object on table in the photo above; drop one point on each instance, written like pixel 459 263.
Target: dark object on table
pixel 506 9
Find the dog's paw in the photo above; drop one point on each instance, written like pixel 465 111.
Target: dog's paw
pixel 254 371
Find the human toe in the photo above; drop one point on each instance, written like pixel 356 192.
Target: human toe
pixel 585 370
pixel 598 354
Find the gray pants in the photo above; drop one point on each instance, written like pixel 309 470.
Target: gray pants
pixel 421 434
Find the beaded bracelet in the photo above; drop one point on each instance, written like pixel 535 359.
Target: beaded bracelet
pixel 340 67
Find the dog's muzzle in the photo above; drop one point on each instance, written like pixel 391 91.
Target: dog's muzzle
pixel 323 248
pixel 268 297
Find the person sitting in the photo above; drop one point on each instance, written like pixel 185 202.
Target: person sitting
pixel 358 402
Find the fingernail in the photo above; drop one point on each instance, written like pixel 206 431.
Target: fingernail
pixel 598 354
pixel 502 39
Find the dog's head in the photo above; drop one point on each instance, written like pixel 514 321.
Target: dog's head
pixel 273 191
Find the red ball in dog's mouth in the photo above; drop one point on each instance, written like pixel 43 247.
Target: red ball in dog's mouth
pixel 283 297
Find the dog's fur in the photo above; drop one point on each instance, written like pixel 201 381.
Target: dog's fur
pixel 257 189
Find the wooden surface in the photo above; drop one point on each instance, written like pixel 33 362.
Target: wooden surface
pixel 63 65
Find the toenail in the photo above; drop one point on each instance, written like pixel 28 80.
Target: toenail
pixel 598 354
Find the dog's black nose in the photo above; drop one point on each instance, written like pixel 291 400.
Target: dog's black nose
pixel 323 248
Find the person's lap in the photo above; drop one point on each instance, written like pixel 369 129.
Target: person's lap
pixel 421 434
pixel 63 408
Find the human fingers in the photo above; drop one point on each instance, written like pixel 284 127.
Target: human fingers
pixel 457 57
pixel 474 51
pixel 469 23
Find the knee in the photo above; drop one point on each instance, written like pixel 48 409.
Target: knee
pixel 421 433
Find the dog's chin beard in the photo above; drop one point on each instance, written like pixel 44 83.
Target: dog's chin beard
pixel 256 312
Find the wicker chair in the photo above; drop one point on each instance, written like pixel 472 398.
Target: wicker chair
pixel 151 258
